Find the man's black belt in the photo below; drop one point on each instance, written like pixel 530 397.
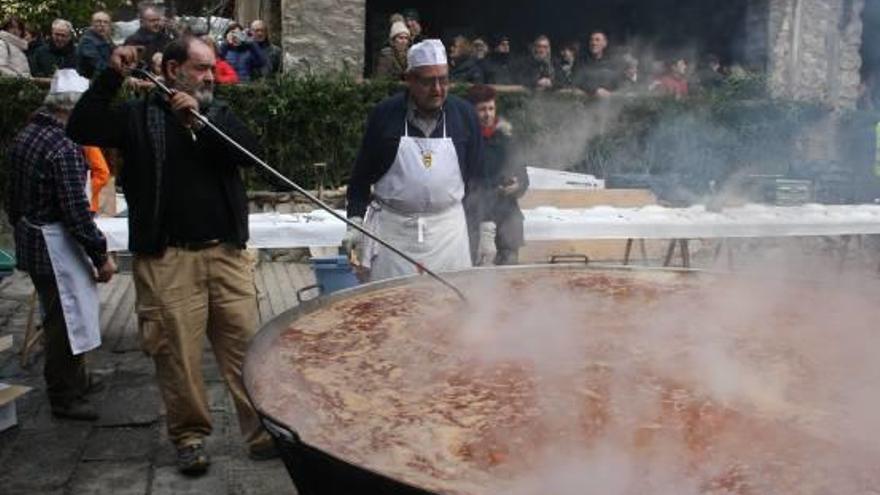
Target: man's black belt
pixel 194 245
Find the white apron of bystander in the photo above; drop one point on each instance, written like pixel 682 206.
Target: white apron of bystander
pixel 77 288
pixel 418 209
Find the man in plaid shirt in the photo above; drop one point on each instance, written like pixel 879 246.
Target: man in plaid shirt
pixel 48 185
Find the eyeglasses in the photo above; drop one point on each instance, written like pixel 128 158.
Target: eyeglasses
pixel 430 82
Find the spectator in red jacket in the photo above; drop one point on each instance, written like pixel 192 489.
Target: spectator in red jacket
pixel 674 82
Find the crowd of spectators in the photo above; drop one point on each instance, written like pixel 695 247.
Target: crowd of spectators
pixel 244 54
pixel 592 67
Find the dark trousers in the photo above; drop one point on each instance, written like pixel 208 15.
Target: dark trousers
pixel 65 374
pixel 509 236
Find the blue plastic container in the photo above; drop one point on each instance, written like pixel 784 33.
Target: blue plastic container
pixel 333 273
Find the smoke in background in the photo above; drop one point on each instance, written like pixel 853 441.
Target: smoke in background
pixel 689 149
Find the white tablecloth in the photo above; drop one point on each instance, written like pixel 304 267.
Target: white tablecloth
pixel 318 228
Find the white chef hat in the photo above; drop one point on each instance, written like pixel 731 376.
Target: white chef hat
pixel 68 81
pixel 428 52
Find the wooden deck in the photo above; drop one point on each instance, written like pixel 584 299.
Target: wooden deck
pixel 277 284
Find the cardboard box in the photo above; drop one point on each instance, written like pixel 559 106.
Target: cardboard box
pixel 8 395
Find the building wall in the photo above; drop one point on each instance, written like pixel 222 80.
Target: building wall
pixel 809 48
pixel 321 36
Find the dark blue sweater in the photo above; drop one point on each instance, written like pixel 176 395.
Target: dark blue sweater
pixel 382 137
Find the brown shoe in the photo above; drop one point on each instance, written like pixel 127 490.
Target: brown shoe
pixel 78 409
pixel 192 459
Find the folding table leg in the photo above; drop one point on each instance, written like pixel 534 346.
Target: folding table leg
pixel 627 251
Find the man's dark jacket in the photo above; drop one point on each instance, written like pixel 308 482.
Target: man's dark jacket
pixel 97 121
pixel 467 70
pixel 151 41
pixel 593 73
pixel 48 58
pixel 93 54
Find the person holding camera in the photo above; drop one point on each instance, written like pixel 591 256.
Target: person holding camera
pixel 242 53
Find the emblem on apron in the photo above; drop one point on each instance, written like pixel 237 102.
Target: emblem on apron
pixel 427 159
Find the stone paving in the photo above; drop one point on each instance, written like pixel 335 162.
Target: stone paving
pixel 126 452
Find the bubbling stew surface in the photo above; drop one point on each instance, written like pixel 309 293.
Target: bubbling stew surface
pixel 620 382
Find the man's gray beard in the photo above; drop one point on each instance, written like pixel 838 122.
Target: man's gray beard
pixel 205 97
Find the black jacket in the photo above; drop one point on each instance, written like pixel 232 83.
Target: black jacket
pixel 593 74
pixel 467 70
pixel 97 121
pixel 48 58
pixel 500 168
pixel 152 42
pixel 498 68
pixel 529 70
pixel 93 54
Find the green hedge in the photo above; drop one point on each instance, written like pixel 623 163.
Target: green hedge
pixel 304 121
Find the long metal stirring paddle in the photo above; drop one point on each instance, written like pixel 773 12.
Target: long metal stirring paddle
pixel 311 197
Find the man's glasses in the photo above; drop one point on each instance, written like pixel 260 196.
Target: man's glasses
pixel 430 82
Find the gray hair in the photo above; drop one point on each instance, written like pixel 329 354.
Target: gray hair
pixel 62 23
pixel 61 102
pixel 145 7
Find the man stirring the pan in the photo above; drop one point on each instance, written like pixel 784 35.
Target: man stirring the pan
pixel 421 156
pixel 188 226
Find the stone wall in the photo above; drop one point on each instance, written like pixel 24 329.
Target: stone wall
pixel 321 36
pixel 810 48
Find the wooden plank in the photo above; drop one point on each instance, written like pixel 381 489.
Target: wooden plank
pixel 296 275
pixel 265 309
pixel 285 285
pixel 273 291
pixel 301 275
pixel 564 198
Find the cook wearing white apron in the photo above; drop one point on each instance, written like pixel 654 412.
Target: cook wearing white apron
pixel 77 289
pixel 417 208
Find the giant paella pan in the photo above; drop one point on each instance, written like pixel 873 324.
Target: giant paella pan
pixel 564 379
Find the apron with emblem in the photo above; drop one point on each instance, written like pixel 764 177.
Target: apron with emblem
pixel 417 208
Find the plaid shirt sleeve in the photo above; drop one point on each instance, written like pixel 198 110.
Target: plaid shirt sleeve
pixel 70 172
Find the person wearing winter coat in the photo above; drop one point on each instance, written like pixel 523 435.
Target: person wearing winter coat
pixel 59 53
pixel 498 65
pixel 13 61
pixel 95 46
pixel 463 67
pixel 391 63
pixel 242 53
pixel 506 180
pixel 537 72
pixel 151 35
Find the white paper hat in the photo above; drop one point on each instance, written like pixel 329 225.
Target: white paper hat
pixel 428 52
pixel 68 81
